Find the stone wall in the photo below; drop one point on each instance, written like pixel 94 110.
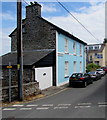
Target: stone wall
pixel 29 89
pixel 38 34
pixel 29 84
pixel 28 76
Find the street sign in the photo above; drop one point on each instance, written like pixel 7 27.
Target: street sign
pixel 9 66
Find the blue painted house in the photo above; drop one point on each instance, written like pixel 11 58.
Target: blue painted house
pixel 70 56
pixel 51 54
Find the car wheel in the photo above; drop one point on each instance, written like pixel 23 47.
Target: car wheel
pixel 70 85
pixel 92 82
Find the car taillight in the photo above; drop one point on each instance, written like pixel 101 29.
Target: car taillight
pixel 71 78
pixel 81 78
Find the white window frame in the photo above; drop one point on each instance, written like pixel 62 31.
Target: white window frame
pixel 66 68
pixel 80 50
pixel 74 48
pixel 75 65
pixel 80 66
pixel 66 45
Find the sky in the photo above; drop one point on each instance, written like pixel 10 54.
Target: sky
pixel 90 14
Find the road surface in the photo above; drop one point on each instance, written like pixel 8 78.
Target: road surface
pixel 86 102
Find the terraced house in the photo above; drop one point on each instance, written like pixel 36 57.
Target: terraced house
pixel 51 54
pixel 96 53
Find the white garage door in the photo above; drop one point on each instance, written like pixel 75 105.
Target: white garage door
pixel 44 77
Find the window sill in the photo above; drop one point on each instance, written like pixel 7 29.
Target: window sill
pixel 66 76
pixel 66 53
pixel 74 54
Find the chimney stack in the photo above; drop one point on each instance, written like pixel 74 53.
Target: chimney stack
pixel 33 10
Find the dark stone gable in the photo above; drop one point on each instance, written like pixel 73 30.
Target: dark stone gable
pixel 38 33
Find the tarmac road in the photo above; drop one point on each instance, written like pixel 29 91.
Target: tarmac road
pixel 86 102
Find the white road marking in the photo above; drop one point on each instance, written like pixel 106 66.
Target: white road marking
pixel 102 105
pixel 18 105
pixel 64 104
pixel 32 105
pixel 42 108
pixel 84 103
pixel 25 108
pixel 82 106
pixel 47 105
pixel 60 107
pixel 9 109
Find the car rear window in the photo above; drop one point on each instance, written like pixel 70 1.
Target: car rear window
pixel 99 70
pixel 77 75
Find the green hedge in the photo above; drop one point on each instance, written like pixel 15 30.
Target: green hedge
pixel 92 67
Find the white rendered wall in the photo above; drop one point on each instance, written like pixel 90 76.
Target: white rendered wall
pixel 44 76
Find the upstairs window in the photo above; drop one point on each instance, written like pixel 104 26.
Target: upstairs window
pixel 96 47
pixel 90 47
pixel 66 45
pixel 74 47
pixel 90 57
pixel 80 49
pixel 96 54
pixel 80 66
pixel 99 56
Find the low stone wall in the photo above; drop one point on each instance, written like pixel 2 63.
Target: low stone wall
pixel 29 89
pixel 28 76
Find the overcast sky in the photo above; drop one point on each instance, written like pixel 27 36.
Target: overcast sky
pixel 90 14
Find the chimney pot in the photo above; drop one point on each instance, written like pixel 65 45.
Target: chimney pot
pixel 31 3
pixel 35 2
pixel 33 10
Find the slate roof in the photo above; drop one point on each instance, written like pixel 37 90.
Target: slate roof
pixel 56 28
pixel 29 57
pixel 63 31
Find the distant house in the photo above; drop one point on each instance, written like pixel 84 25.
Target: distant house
pixel 51 54
pixel 96 53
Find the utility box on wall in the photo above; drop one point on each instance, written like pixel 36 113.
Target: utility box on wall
pixel 44 76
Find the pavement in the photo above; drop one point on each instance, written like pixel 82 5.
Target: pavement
pixel 54 89
pixel 44 93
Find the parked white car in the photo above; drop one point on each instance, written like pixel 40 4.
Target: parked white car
pixel 101 71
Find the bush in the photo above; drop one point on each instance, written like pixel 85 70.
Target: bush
pixel 92 67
